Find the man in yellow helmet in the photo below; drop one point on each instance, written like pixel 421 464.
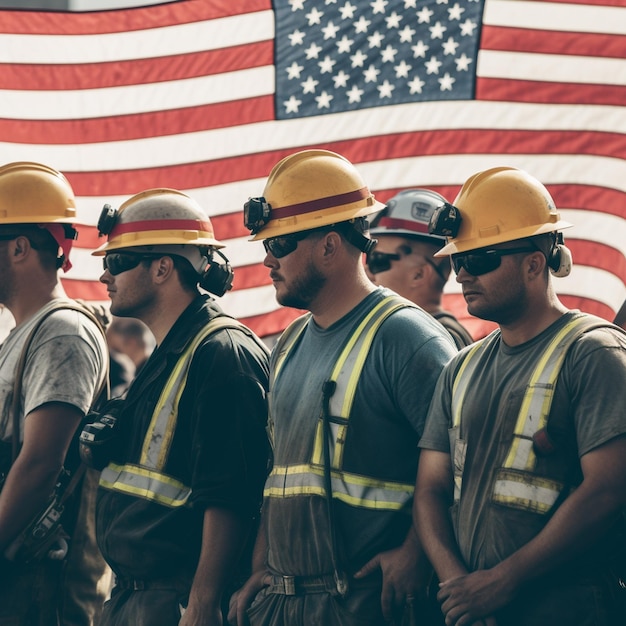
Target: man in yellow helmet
pixel 522 477
pixel 185 453
pixel 350 386
pixel 53 366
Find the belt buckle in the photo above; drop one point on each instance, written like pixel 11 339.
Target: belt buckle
pixel 289 584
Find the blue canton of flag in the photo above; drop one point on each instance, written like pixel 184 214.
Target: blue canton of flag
pixel 338 55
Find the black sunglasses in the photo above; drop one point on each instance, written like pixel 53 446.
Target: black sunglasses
pixel 118 262
pixel 381 262
pixel 283 245
pixel 484 261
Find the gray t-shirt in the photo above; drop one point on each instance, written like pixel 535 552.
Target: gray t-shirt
pixel 390 405
pixel 587 411
pixel 66 363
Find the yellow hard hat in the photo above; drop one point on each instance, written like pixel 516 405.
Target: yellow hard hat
pixel 495 206
pixel 33 193
pixel 156 217
pixel 306 190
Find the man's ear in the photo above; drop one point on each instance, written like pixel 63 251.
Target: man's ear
pixel 21 246
pixel 536 263
pixel 163 269
pixel 331 242
pixel 418 273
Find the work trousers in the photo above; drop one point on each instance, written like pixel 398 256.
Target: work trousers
pixel 146 607
pixel 588 602
pixel 360 607
pixel 30 594
pixel 87 577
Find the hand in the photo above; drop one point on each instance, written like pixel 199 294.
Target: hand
pixel 201 616
pixel 402 579
pixel 474 597
pixel 243 598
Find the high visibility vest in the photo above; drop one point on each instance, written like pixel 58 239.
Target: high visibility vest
pixel 146 479
pixel 517 485
pixel 308 479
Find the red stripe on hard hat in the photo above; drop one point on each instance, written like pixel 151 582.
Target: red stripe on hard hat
pixel 321 203
pixel 391 222
pixel 144 225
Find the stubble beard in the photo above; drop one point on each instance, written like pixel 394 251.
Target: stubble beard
pixel 303 290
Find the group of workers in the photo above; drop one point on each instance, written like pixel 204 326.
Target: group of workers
pixel 378 466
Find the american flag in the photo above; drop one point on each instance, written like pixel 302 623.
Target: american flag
pixel 207 95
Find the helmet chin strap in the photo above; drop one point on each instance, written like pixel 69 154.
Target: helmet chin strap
pixel 357 239
pixel 64 235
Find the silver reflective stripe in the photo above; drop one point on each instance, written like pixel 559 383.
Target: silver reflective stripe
pixel 145 483
pixel 527 492
pixel 354 489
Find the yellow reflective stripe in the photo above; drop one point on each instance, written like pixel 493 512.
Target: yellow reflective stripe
pixel 318 444
pixel 158 439
pixel 348 378
pixel 523 491
pixel 347 370
pixel 145 483
pixel 537 401
pixel 353 489
pixel 345 398
pixel 287 341
pixel 462 379
pixel 515 486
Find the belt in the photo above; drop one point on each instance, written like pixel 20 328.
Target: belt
pixel 132 584
pixel 301 585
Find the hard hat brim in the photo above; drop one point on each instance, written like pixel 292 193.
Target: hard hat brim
pixel 157 238
pixel 457 247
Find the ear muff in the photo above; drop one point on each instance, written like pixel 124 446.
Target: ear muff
pixel 560 259
pixel 217 278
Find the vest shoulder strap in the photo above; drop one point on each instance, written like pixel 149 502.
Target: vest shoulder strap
pixel 546 371
pixel 21 364
pixel 286 342
pixel 349 365
pixel 160 432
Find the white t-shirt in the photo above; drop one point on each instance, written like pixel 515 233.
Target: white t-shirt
pixel 66 363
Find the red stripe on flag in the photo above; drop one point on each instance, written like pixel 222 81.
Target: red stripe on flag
pixel 551 42
pixel 139 126
pixel 123 20
pixel 86 289
pixel 549 93
pixel 393 146
pixel 134 72
pixel 593 254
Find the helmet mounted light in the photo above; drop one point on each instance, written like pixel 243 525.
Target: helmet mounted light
pixel 256 214
pixel 106 221
pixel 445 221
